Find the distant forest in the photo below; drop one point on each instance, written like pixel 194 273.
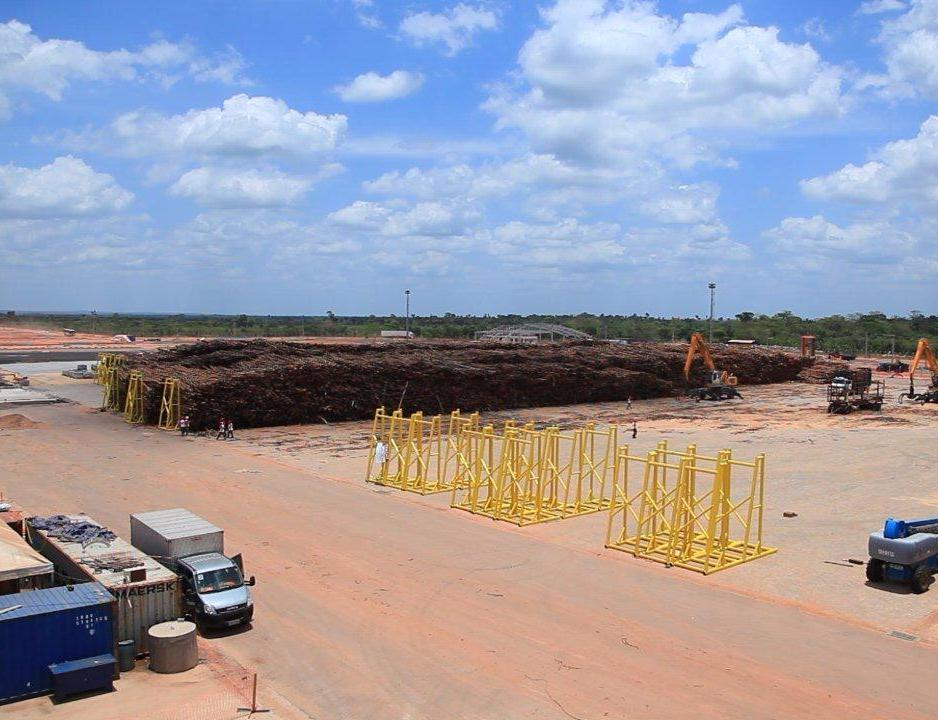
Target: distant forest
pixel 872 332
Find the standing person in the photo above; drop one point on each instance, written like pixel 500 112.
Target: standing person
pixel 628 403
pixel 634 430
pixel 381 456
pixel 221 429
pixel 184 425
pixel 229 431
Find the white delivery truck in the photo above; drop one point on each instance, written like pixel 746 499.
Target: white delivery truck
pixel 214 591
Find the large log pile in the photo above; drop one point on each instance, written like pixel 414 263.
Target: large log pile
pixel 259 383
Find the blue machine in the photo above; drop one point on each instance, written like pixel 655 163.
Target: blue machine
pixel 905 551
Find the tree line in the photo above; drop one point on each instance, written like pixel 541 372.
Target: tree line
pixel 872 332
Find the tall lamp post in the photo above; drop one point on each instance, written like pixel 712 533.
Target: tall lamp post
pixel 407 312
pixel 713 288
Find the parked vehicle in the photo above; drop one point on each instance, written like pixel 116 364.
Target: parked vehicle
pixel 214 591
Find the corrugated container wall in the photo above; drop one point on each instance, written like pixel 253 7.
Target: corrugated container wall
pixel 50 626
pixel 140 605
pixel 172 534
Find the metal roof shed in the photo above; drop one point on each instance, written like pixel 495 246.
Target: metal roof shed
pixel 21 567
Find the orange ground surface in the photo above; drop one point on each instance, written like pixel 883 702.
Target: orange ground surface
pixel 21 339
pixel 373 603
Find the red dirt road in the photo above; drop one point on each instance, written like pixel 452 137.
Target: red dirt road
pixel 378 604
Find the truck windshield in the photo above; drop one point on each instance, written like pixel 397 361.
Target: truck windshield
pixel 218 580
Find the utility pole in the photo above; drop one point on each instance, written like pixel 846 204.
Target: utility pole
pixel 94 321
pixel 407 312
pixel 713 288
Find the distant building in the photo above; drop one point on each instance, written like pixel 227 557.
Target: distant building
pixel 531 334
pixel 396 334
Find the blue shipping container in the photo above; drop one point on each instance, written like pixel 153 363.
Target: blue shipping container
pixel 51 626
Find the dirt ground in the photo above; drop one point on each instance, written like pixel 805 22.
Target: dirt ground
pixel 40 341
pixel 373 603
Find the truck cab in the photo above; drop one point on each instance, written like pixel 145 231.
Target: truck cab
pixel 214 590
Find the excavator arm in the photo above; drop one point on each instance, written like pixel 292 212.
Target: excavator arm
pixel 922 352
pixel 697 345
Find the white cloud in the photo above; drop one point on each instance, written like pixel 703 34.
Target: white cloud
pixel 237 188
pixel 111 243
pixel 900 170
pixel 400 219
pixel 875 7
pixel 567 242
pixel 372 87
pixel 910 48
pixel 365 14
pixel 549 188
pixel 243 126
pixel 814 28
pixel 226 68
pixel 609 84
pixel 455 28
pixel 67 187
pixel 51 66
pixel 815 243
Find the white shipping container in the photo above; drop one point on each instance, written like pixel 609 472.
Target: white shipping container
pixel 171 534
pixel 155 598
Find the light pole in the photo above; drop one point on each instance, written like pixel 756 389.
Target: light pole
pixel 407 313
pixel 713 288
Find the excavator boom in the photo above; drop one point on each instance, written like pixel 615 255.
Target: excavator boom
pixel 923 352
pixel 697 345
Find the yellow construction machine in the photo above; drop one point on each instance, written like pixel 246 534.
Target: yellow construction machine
pixel 721 384
pixel 923 352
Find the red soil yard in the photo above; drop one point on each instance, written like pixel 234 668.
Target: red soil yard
pixel 373 603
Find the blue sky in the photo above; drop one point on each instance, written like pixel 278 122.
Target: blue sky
pixel 298 157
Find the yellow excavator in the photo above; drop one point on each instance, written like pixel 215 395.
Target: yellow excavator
pixel 721 384
pixel 923 352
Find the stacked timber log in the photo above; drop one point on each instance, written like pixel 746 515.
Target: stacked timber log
pixel 259 383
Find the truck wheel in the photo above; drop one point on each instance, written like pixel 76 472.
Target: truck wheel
pixel 921 579
pixel 874 570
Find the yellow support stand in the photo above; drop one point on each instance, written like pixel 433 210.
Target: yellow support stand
pixel 171 404
pixel 420 453
pixel 700 512
pixel 112 398
pixel 688 509
pixel 133 405
pixel 526 476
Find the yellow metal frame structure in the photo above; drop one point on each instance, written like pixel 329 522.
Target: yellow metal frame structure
pixel 106 361
pixel 526 476
pixel 112 399
pixel 421 452
pixel 683 508
pixel 171 404
pixel 686 510
pixel 133 403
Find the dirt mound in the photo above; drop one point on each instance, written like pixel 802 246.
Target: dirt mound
pixel 259 383
pixel 17 422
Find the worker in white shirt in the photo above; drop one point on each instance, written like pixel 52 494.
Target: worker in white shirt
pixel 381 456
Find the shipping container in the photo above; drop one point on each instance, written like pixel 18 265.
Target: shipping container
pixel 146 592
pixel 50 626
pixel 171 534
pixel 21 567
